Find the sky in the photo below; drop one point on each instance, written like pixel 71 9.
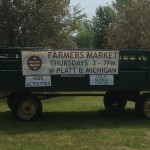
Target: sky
pixel 90 6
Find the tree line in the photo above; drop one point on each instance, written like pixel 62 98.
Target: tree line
pixel 54 23
pixel 122 25
pixel 38 23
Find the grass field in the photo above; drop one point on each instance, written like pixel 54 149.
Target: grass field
pixel 75 123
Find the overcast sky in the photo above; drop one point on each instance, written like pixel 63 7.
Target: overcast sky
pixel 90 5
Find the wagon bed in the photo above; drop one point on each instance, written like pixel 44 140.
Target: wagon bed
pixel 133 77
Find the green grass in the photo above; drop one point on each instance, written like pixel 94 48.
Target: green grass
pixel 75 123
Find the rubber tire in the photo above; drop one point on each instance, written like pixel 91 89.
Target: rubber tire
pixel 10 99
pixel 112 103
pixel 139 105
pixel 16 106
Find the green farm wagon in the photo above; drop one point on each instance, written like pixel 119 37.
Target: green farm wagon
pixel 31 74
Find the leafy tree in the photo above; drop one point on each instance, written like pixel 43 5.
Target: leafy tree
pixel 38 23
pixel 101 22
pixel 84 37
pixel 130 27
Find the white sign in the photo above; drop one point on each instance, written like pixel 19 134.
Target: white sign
pixel 69 62
pixel 101 80
pixel 37 81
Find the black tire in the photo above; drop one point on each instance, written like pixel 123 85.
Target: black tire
pixel 27 108
pixel 142 106
pixel 113 103
pixel 10 99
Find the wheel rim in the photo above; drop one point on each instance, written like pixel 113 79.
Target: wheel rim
pixel 147 108
pixel 115 104
pixel 27 109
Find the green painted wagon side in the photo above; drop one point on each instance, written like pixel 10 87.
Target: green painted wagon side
pixel 133 77
pixel 134 73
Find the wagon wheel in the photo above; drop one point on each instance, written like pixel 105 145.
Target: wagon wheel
pixel 113 103
pixel 27 108
pixel 142 106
